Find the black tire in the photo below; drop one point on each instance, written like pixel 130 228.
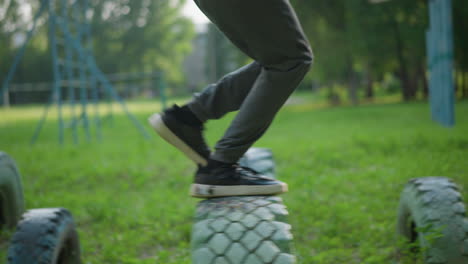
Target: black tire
pixel 242 230
pixel 11 192
pixel 432 218
pixel 45 236
pixel 248 229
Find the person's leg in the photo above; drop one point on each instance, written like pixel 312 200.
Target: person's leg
pixel 269 32
pixel 226 95
pixel 183 126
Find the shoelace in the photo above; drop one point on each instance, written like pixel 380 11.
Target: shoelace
pixel 245 172
pixel 246 169
pixel 240 171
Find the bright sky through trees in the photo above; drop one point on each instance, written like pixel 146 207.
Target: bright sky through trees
pixel 191 10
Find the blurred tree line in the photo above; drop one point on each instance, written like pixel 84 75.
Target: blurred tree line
pixel 128 36
pixel 362 46
pixel 361 49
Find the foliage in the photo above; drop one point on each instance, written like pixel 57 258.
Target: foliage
pixel 360 42
pixel 357 44
pixel 460 25
pixel 411 252
pixel 128 36
pixel 222 56
pixel 345 167
pixel 148 35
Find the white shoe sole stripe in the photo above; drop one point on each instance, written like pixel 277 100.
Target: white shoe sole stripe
pixel 158 125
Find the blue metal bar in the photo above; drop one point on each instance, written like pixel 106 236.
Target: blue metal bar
pixel 70 78
pixel 439 40
pixel 162 89
pixel 92 77
pixel 55 71
pixel 39 126
pixel 84 103
pixel 76 20
pixel 89 73
pixel 53 94
pixel 97 118
pixel 113 93
pixel 110 107
pixel 21 51
pixel 107 85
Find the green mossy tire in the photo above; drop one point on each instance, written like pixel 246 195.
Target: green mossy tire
pixel 432 215
pixel 247 230
pixel 45 236
pixel 244 230
pixel 11 192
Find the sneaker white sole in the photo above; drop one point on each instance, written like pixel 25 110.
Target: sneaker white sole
pixel 208 191
pixel 158 125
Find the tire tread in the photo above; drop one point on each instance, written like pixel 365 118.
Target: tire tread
pixel 436 202
pixel 242 230
pixel 40 234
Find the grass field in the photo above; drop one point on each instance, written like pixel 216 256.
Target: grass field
pixel 346 168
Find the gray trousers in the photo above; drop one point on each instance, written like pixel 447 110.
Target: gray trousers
pixel 269 32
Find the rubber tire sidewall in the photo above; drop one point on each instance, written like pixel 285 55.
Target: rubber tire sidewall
pixel 434 216
pixel 68 235
pixel 11 191
pixel 41 236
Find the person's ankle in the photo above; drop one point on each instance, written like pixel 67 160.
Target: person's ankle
pixel 212 163
pixel 188 117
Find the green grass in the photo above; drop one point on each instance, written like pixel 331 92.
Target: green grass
pixel 346 168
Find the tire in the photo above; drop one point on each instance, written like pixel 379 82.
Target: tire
pixel 45 236
pixel 432 217
pixel 247 230
pixel 11 192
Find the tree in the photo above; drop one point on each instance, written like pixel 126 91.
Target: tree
pixel 148 35
pixel 222 56
pixel 460 25
pixel 128 36
pixel 355 41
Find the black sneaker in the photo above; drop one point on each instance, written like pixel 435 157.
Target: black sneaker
pixel 188 138
pixel 233 180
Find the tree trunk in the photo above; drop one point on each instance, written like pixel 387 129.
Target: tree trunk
pixel 423 77
pixel 464 85
pixel 6 98
pixel 352 83
pixel 353 88
pixel 369 86
pixel 414 84
pixel 406 85
pixel 333 98
pixel 403 74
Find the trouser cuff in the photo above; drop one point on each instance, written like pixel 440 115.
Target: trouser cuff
pixel 225 156
pixel 198 110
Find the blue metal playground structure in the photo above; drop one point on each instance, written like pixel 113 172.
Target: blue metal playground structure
pixel 439 38
pixel 77 77
pixel 77 80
